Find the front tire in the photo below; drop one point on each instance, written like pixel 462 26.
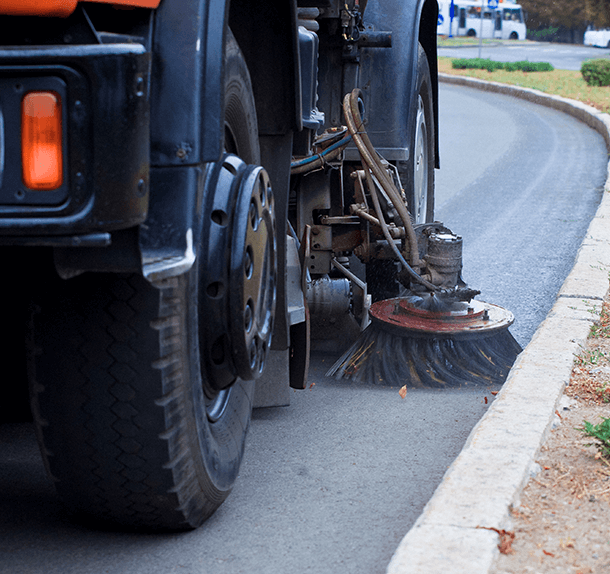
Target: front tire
pixel 134 427
pixel 421 164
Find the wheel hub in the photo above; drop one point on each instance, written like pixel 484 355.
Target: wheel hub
pixel 237 273
pixel 253 275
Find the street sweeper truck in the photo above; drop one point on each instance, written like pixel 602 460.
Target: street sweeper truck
pixel 188 190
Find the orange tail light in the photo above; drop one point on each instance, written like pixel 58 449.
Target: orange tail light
pixel 41 141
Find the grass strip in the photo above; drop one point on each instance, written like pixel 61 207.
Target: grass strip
pixel 446 42
pixel 565 83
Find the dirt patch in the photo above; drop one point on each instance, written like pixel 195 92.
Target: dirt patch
pixel 563 521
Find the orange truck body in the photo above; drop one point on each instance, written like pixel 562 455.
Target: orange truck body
pixel 61 8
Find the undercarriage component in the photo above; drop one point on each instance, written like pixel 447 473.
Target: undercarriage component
pixel 329 296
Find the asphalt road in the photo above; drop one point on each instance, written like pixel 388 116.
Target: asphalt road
pixel 561 56
pixel 332 483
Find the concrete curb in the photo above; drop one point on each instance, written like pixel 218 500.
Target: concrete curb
pixel 452 535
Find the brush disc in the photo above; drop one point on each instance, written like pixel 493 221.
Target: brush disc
pixel 405 345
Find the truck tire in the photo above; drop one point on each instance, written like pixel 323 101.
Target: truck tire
pixel 130 428
pixel 421 165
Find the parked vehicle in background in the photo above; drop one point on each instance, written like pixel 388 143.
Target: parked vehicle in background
pixel 596 37
pixel 501 20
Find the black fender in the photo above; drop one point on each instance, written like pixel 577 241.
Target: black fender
pixel 186 82
pixel 187 74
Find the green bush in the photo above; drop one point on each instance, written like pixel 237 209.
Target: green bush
pixel 476 64
pixel 545 35
pixel 525 66
pixel 491 65
pixel 596 72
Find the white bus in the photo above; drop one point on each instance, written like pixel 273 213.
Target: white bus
pixel 503 22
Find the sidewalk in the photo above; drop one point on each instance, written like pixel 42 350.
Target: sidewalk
pixel 454 533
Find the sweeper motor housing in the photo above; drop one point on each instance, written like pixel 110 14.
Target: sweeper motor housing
pixel 443 258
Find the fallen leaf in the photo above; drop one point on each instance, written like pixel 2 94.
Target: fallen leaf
pixel 506 539
pixel 485 400
pixel 494 393
pixel 403 392
pixel 311 386
pixel 548 553
pixel 557 413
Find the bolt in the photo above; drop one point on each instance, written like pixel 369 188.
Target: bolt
pixel 79 180
pixel 248 318
pixel 139 86
pixel 248 265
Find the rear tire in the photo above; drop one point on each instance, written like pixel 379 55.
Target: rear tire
pixel 132 429
pixel 125 428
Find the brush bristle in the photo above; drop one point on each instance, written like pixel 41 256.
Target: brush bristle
pixel 386 358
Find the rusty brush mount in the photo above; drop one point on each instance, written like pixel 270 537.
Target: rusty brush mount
pixel 436 334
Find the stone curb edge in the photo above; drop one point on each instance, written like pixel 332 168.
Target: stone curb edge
pixel 454 534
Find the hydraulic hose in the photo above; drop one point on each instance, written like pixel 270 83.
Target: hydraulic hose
pixel 370 159
pixel 386 232
pixel 318 160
